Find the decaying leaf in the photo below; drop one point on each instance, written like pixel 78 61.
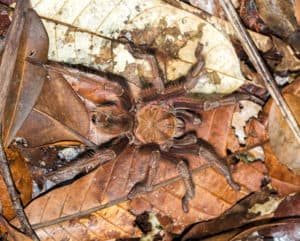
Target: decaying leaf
pixel 235 217
pixel 23 180
pixel 283 143
pixel 284 229
pixel 82 33
pixel 4 22
pixel 282 178
pixel 96 206
pixel 28 79
pixel 9 233
pixel 215 128
pixel 289 61
pixel 249 110
pixel 8 2
pixel 297 11
pixel 59 115
pixel 242 213
pixel 278 15
pixel 109 223
pixel 107 187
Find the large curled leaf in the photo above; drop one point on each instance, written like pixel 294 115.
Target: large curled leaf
pixel 283 142
pixel 81 32
pixel 282 178
pixel 28 79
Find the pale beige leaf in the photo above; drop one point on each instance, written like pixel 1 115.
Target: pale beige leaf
pixel 78 32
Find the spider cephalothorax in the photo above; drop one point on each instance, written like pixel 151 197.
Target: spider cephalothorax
pixel 154 124
pixel 157 119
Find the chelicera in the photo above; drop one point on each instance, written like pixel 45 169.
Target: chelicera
pixel 157 121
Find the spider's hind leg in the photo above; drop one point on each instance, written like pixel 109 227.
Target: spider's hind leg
pixel 215 162
pixel 146 184
pixel 186 176
pixel 202 148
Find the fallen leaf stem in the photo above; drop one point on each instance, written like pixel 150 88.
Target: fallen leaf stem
pixel 260 66
pixel 7 67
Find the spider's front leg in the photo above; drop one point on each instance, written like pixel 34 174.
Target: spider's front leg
pixel 140 52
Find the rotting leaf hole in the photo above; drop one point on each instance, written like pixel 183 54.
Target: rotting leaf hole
pixel 31 53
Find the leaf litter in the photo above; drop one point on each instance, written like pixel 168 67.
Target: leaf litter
pixel 107 214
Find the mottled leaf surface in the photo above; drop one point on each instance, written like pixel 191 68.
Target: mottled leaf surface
pixel 85 33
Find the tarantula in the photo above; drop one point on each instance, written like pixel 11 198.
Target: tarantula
pixel 157 120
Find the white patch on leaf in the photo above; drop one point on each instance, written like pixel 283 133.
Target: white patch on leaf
pixel 239 120
pixel 122 59
pixel 266 208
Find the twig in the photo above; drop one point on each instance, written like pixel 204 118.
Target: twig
pixel 260 66
pixel 7 67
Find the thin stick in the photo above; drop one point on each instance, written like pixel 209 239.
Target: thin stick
pixel 260 66
pixel 7 67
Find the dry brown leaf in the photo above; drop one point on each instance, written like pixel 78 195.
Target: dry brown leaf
pixel 278 15
pixel 297 10
pixel 289 207
pixel 59 115
pixel 109 185
pixel 283 143
pixel 233 144
pixel 289 61
pixel 257 207
pixel 28 79
pixel 240 118
pixel 110 223
pixel 252 175
pixel 256 131
pixel 287 229
pixel 215 127
pixel 23 181
pixel 4 23
pixel 9 233
pixel 282 179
